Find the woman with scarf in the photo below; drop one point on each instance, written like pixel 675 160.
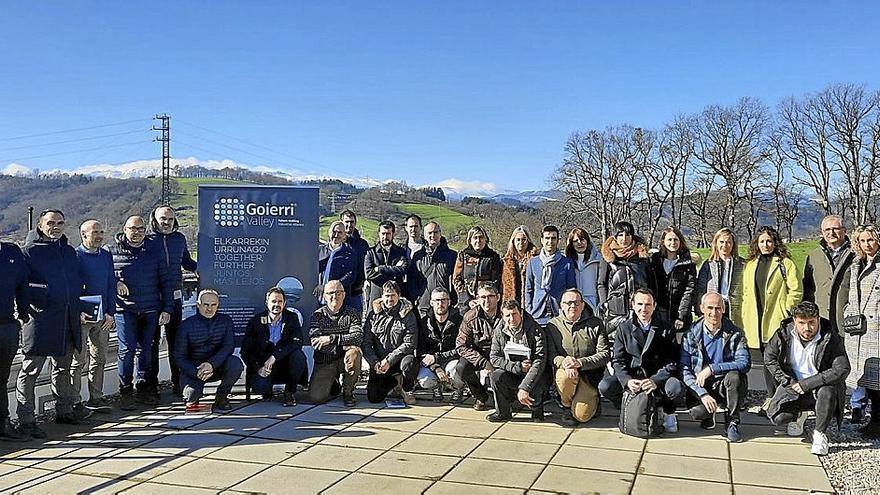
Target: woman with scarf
pixel 772 287
pixel 676 276
pixel 475 264
pixel 519 250
pixel 585 258
pixel 548 275
pixel 624 268
pixel 722 273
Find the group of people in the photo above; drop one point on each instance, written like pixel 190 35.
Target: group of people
pixel 577 324
pixel 586 322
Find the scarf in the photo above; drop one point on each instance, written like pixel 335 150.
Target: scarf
pixel 624 252
pixel 547 263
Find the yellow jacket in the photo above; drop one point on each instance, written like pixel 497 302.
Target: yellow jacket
pixel 781 295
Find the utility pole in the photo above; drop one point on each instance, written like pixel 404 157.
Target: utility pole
pixel 165 139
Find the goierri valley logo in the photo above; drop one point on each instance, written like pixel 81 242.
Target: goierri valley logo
pixel 232 212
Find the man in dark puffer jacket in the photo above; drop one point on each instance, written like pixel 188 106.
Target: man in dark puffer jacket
pixel 53 330
pixel 203 350
pixel 144 301
pixel 171 244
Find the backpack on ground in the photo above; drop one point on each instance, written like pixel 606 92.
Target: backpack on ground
pixel 639 416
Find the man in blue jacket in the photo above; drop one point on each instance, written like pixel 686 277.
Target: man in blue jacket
pixel 272 348
pixel 13 311
pixel 203 351
pixel 548 275
pixel 144 302
pixel 171 244
pixel 53 331
pixel 359 247
pixel 96 268
pixel 715 364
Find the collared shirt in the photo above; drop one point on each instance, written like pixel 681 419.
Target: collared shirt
pixel 645 327
pixel 803 356
pixel 275 331
pixel 713 346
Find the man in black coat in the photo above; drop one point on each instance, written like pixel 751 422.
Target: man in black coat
pixel 13 311
pixel 808 360
pixel 385 261
pixel 645 359
pixel 430 267
pixel 437 351
pixel 359 249
pixel 272 348
pixel 204 349
pixel 390 333
pixel 53 330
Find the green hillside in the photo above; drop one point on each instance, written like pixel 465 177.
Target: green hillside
pixel 186 197
pixel 450 220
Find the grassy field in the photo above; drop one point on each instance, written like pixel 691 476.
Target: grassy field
pixel 450 220
pixel 798 250
pixel 186 199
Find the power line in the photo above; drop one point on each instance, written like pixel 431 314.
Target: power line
pixel 114 124
pixel 68 152
pixel 68 141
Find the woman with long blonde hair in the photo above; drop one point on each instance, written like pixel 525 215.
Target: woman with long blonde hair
pixel 722 273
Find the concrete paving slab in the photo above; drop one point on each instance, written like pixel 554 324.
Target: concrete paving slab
pixel 597 458
pixel 410 465
pixel 270 409
pixel 692 447
pixel 517 451
pixel 332 457
pixel 375 484
pixel 779 453
pixel 462 428
pixel 134 464
pixel 159 489
pixel 299 431
pixel 495 473
pixel 38 456
pixel 235 425
pixel 258 450
pixel 529 433
pixel 390 419
pixel 469 413
pixel 210 473
pixel 758 490
pixel 607 438
pixel 330 416
pixel 75 483
pixel 772 475
pixel 691 468
pixel 448 488
pixel 651 485
pixel 286 479
pixel 368 438
pixel 193 444
pixel 559 479
pixel 423 443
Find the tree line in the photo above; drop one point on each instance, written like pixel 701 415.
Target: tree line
pixel 733 165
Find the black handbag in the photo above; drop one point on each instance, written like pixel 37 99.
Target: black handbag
pixel 639 416
pixel 855 325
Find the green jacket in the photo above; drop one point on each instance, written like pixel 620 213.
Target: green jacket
pixel 782 293
pixel 826 287
pixel 584 340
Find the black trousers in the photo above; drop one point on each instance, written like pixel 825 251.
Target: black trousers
pixel 729 390
pixel 288 371
pixel 170 334
pixel 469 374
pixel 378 385
pixel 8 348
pixel 505 385
pixel 666 393
pixel 823 400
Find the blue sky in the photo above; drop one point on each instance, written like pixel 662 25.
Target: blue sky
pixel 418 91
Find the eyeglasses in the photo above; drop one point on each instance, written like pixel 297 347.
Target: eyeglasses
pixel 570 303
pixel 334 292
pixel 137 229
pixel 445 299
pixel 488 296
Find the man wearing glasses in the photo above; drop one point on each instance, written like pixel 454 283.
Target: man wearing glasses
pixel 52 329
pixel 474 342
pixel 436 346
pixel 336 335
pixel 145 300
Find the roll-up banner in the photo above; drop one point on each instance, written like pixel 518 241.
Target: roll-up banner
pixel 252 238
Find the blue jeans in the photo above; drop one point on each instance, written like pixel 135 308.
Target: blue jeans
pixel 228 373
pixel 858 398
pixel 135 333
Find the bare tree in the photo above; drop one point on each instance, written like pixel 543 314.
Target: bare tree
pixel 675 150
pixel 702 185
pixel 730 142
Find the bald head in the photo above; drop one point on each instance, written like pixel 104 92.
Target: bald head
pixel 135 230
pixel 334 295
pixel 92 233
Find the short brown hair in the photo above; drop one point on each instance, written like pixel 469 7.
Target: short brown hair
pixel 511 304
pixel 276 290
pixel 805 310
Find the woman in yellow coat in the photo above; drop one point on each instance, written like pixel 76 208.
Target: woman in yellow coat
pixel 771 288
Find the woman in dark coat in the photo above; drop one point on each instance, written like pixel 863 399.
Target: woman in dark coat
pixel 676 276
pixel 475 264
pixel 624 268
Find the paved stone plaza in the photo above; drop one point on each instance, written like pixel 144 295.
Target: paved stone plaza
pixel 261 447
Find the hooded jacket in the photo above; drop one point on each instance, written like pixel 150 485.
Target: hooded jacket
pixel 675 291
pixel 619 278
pixel 471 269
pixel 533 335
pixel 390 333
pixel 831 361
pixel 173 250
pixel 147 276
pixel 54 289
pixel 439 338
pixel 13 284
pixel 429 269
pixel 385 260
pixel 735 354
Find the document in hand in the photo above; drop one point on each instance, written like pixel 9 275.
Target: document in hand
pixel 516 352
pixel 93 307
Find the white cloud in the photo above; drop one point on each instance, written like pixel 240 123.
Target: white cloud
pixel 467 187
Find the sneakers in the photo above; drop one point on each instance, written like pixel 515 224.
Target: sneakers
pixel 9 434
pixel 670 423
pixel 457 397
pixel 733 433
pixel 438 393
pixel 495 417
pixel 820 443
pixel 77 416
pixel 796 427
pixel 194 407
pixel 287 401
pixel 349 401
pixel 480 405
pixel 568 420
